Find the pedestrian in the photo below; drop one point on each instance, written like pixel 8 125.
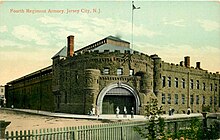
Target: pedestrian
pixel 117 111
pixel 125 112
pixel 132 112
pixel 188 111
pixel 93 111
pixel 173 111
pixel 170 112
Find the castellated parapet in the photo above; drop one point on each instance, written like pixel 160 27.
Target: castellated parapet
pixel 108 73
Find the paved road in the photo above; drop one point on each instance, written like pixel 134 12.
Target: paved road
pixel 102 117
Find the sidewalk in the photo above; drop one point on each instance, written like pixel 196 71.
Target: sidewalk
pixel 101 117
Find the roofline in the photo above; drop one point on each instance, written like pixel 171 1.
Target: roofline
pixel 31 74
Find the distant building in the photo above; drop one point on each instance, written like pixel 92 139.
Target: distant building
pixel 2 96
pixel 107 74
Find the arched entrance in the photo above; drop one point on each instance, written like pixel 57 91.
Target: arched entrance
pixel 120 95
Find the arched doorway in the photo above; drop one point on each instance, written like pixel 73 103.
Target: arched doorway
pixel 120 95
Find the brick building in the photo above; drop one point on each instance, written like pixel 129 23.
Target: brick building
pixel 107 74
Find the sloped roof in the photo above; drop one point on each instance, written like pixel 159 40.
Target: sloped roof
pixel 62 53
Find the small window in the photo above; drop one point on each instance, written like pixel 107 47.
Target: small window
pixel 163 81
pixel 210 87
pixel 216 87
pixel 197 99
pixel 169 99
pixel 203 100
pixel 203 86
pixel 197 84
pixel 183 99
pixel 131 72
pixel 163 98
pixel 119 71
pixel 169 81
pixel 176 82
pixel 191 99
pixel 106 71
pixel 183 83
pixel 176 99
pixel 210 100
pixel 191 84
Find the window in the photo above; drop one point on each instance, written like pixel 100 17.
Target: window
pixel 215 100
pixel 197 84
pixel 216 87
pixel 2 90
pixel 191 84
pixel 210 100
pixel 119 71
pixel 176 99
pixel 176 82
pixel 183 83
pixel 183 99
pixel 191 99
pixel 131 72
pixel 163 81
pixel 197 99
pixel 106 71
pixel 169 99
pixel 210 87
pixel 169 81
pixel 204 86
pixel 203 100
pixel 163 98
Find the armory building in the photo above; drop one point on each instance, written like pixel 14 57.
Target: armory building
pixel 109 74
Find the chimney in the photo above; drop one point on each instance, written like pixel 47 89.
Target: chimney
pixel 181 63
pixel 187 61
pixel 70 45
pixel 198 65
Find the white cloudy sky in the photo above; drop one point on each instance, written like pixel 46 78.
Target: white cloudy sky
pixel 171 29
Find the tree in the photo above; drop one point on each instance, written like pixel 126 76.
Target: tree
pixel 154 129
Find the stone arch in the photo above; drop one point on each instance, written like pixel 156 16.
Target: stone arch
pixel 116 85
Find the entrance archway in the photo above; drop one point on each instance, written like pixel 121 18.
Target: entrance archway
pixel 117 94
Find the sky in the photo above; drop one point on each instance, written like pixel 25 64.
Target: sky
pixel 31 32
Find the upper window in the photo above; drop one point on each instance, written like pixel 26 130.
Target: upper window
pixel 210 87
pixel 183 83
pixel 197 84
pixel 119 71
pixel 176 82
pixel 106 71
pixel 163 81
pixel 191 84
pixel 163 98
pixel 169 81
pixel 204 86
pixel 215 87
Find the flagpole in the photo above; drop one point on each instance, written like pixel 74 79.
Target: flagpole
pixel 132 28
